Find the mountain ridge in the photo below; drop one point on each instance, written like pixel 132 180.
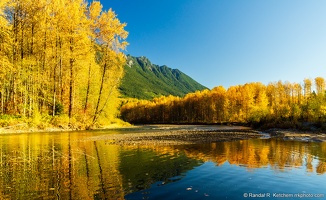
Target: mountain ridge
pixel 144 80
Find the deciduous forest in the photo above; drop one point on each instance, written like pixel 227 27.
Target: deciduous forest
pixel 279 103
pixel 60 62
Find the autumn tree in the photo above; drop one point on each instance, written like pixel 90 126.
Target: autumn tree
pixel 219 104
pixel 278 103
pixel 260 105
pixel 5 52
pixel 110 35
pixel 307 87
pixel 48 48
pixel 320 85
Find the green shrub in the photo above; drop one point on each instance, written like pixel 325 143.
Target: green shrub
pixel 58 108
pixel 60 121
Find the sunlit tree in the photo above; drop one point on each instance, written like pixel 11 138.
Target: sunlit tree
pixel 253 103
pixel 320 85
pixel 47 51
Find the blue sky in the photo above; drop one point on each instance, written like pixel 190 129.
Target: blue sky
pixel 229 42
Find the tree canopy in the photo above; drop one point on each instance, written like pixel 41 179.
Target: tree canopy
pixel 276 103
pixel 60 58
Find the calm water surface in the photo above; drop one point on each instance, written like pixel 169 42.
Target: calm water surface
pixel 79 165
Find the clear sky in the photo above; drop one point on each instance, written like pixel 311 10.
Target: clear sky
pixel 229 42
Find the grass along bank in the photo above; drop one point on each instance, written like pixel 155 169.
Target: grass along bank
pixel 46 123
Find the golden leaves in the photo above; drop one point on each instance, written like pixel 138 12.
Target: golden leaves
pixel 54 53
pixel 279 102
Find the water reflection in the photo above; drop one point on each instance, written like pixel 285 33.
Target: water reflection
pixel 65 166
pixel 276 153
pixel 58 166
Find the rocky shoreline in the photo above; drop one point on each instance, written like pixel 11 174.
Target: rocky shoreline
pixel 297 135
pixel 23 128
pixel 168 137
pixel 195 134
pixel 184 134
pixel 16 130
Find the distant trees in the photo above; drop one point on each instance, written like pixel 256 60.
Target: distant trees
pixel 278 102
pixel 59 56
pixel 320 85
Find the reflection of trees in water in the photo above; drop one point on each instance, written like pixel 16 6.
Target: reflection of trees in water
pixel 321 168
pixel 62 166
pixel 277 154
pixel 143 166
pixel 58 167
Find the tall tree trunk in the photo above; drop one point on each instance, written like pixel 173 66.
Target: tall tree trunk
pixel 71 88
pixel 99 95
pixel 88 88
pixel 2 101
pixel 71 81
pixel 54 93
pixel 54 77
pixel 60 72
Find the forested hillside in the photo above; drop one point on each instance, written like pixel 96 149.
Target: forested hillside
pixel 61 59
pixel 144 80
pixel 279 103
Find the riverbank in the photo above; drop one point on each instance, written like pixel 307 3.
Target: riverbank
pixel 24 128
pixel 297 135
pixel 170 136
pixel 178 134
pixel 197 134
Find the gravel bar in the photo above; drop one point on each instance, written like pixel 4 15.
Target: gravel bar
pixel 177 137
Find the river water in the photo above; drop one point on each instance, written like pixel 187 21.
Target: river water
pixel 74 166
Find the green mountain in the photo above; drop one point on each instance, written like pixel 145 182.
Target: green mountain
pixel 144 80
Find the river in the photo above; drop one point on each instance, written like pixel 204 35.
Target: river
pixel 72 165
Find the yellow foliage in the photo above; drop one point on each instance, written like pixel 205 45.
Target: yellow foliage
pixel 252 102
pixel 60 57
